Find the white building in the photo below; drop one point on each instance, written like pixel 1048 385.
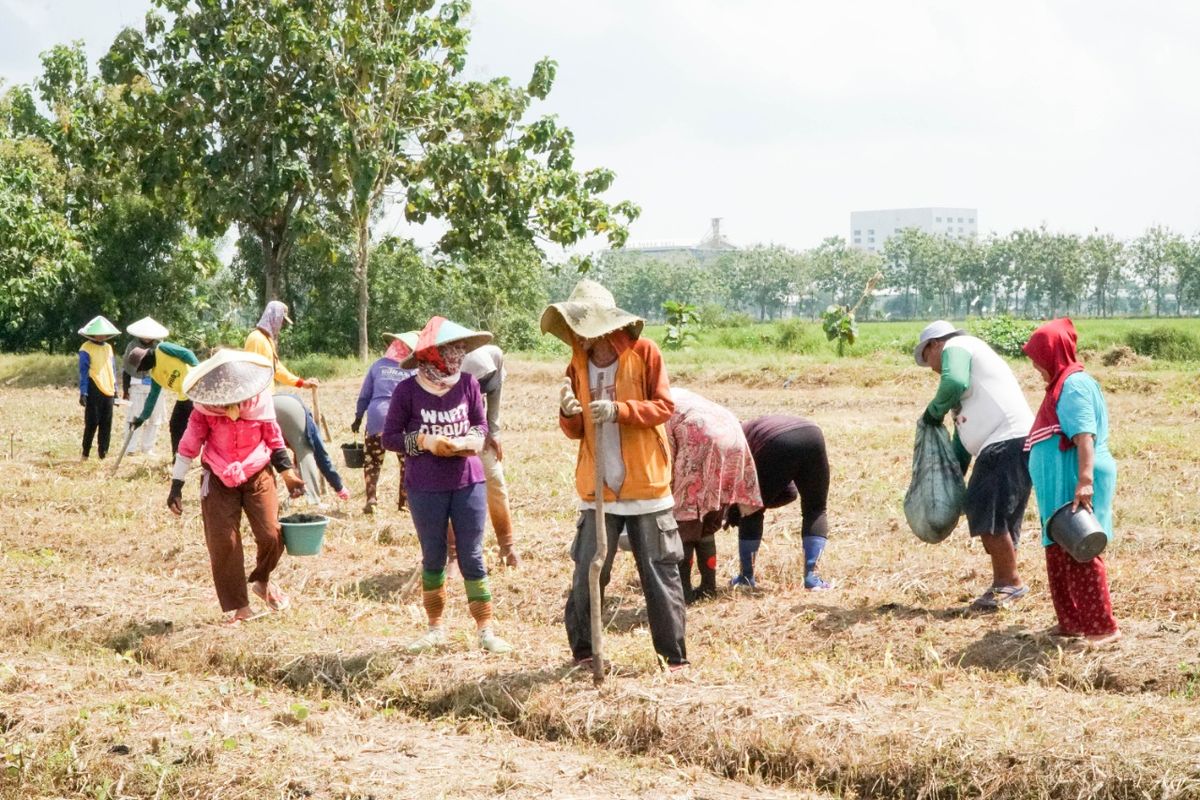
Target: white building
pixel 870 229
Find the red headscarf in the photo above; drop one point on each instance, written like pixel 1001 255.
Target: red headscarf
pixel 1052 347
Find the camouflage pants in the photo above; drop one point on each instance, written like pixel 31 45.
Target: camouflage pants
pixel 373 454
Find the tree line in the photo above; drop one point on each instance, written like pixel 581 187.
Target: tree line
pixel 1034 273
pixel 297 125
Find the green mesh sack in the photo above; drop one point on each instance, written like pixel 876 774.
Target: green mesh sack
pixel 934 500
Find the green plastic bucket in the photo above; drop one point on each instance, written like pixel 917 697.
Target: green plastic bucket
pixel 303 534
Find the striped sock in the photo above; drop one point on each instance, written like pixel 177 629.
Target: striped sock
pixel 479 600
pixel 434 595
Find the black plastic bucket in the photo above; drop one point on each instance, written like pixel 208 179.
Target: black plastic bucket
pixel 354 454
pixel 1078 532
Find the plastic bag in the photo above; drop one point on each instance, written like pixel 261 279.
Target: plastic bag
pixel 934 500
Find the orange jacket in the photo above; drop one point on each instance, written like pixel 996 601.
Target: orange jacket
pixel 644 405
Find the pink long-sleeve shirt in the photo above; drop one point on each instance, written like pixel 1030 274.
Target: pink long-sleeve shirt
pixel 225 441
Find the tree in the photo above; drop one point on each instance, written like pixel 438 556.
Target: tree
pixel 762 278
pixel 908 261
pixel 235 122
pixel 1152 256
pixel 1104 263
pixel 842 271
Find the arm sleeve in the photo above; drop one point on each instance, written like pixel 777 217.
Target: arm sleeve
pixel 658 406
pixel 182 353
pixel 956 377
pixel 194 436
pixel 1077 409
pixel 365 393
pixel 493 410
pixel 85 364
pixel 151 399
pixel 475 411
pixel 272 435
pixel 280 459
pixel 396 422
pixel 572 426
pixel 960 452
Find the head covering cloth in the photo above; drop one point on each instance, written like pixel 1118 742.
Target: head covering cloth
pixel 401 346
pixel 1052 347
pixel 273 317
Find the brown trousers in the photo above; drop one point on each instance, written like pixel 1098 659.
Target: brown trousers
pixel 222 509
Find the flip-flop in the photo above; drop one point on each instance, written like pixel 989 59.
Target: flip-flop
pixel 998 597
pixel 274 605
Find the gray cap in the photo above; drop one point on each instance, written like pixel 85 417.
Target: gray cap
pixel 934 330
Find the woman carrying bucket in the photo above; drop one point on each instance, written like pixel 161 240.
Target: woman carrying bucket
pixel 373 400
pixel 1071 465
pixel 437 421
pixel 232 428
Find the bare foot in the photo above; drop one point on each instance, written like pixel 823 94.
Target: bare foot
pixel 238 617
pixel 270 594
pixel 1103 639
pixel 1058 631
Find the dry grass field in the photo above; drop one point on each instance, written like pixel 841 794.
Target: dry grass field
pixel 117 680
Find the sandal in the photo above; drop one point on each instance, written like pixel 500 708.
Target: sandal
pixel 275 599
pixel 997 597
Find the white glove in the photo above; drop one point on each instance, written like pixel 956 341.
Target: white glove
pixel 567 400
pixel 603 411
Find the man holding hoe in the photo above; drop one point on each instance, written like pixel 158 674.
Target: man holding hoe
pixel 621 380
pixel 991 422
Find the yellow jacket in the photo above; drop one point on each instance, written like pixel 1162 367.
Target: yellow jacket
pixel 259 342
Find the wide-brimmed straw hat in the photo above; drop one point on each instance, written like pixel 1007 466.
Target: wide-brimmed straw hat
pixel 934 330
pixel 590 312
pixel 440 331
pixel 99 328
pixel 133 359
pixel 229 377
pixel 148 328
pixel 408 337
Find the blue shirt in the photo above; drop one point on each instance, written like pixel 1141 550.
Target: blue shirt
pixel 376 392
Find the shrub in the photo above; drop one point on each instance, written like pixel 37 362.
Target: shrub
pixel 1005 335
pixel 1165 343
pixel 713 315
pixel 795 336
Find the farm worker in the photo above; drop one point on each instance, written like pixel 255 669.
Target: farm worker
pixel 790 458
pixel 264 340
pixel 97 383
pixel 167 366
pixel 712 470
pixel 233 430
pixel 620 378
pixel 1070 462
pixel 487 365
pixel 373 400
pixel 437 420
pixel 136 385
pixel 991 422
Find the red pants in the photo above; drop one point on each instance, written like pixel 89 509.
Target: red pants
pixel 222 509
pixel 1080 594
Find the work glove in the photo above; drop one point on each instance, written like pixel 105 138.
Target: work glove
pixel 293 482
pixel 930 419
pixel 137 423
pixel 439 446
pixel 567 400
pixel 175 497
pixel 603 411
pixel 83 399
pixel 354 426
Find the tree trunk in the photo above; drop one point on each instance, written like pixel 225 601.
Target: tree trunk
pixel 270 269
pixel 362 261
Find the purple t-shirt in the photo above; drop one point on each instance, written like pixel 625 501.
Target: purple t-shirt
pixel 376 392
pixel 414 410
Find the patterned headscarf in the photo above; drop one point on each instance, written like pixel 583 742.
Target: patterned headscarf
pixel 441 365
pixel 273 317
pixel 397 351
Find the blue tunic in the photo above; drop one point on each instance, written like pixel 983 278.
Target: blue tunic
pixel 1081 409
pixel 376 392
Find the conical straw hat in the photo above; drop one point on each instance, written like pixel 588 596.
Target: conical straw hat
pixel 99 328
pixel 229 377
pixel 148 328
pixel 441 331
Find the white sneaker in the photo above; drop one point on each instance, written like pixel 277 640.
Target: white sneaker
pixel 493 643
pixel 434 637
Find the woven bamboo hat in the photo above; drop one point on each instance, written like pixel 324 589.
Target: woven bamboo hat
pixel 590 312
pixel 441 331
pixel 229 377
pixel 148 328
pixel 99 328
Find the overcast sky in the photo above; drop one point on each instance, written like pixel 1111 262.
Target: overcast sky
pixel 783 117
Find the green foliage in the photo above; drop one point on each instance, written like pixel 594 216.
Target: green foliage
pixel 1165 343
pixel 839 326
pixel 715 315
pixel 1003 333
pixel 759 279
pixel 795 336
pixel 681 322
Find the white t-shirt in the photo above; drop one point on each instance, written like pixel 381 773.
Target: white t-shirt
pixel 993 406
pixel 602 382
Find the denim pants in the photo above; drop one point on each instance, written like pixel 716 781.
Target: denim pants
pixel 467 509
pixel 657 551
pixel 324 463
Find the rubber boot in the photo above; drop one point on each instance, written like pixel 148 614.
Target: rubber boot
pixel 813 547
pixel 685 572
pixel 747 552
pixel 706 561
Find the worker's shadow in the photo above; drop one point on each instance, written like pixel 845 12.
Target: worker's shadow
pixel 622 614
pixel 1014 649
pixel 835 619
pixel 386 587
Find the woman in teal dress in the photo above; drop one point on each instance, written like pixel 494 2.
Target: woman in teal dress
pixel 1070 463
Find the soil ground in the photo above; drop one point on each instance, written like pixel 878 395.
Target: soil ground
pixel 118 681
